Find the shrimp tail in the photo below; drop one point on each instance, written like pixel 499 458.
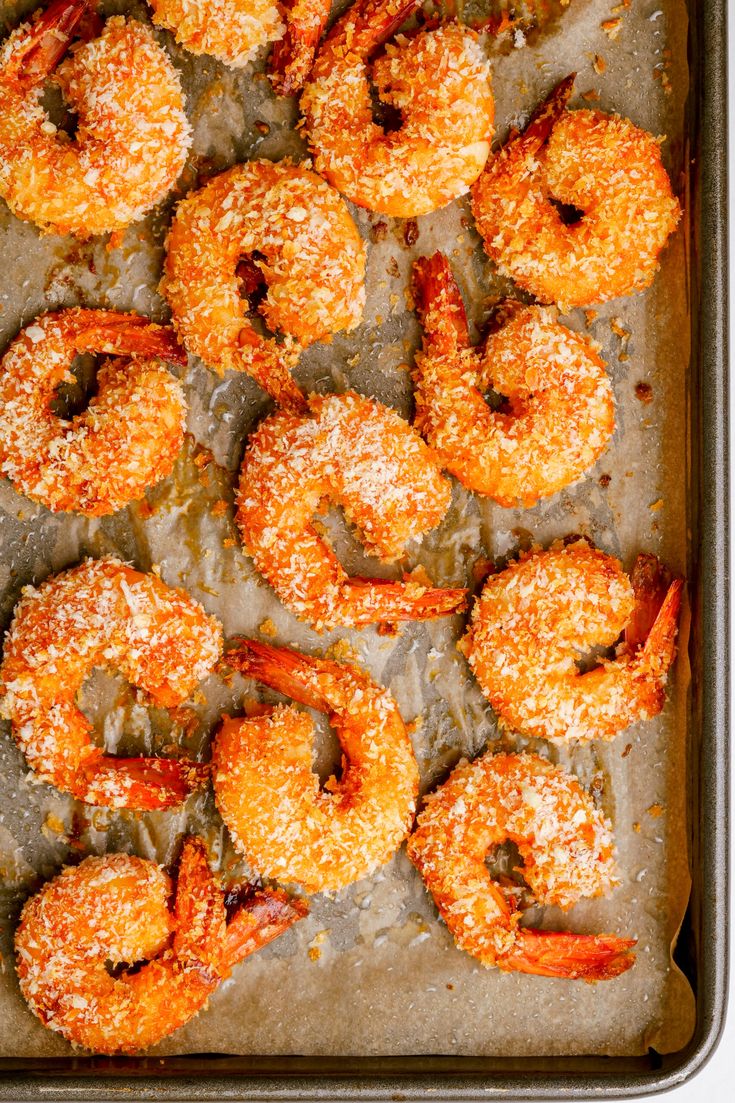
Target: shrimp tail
pixel 370 23
pixel 293 55
pixel 653 623
pixel 145 783
pixel 546 115
pixel 288 672
pixel 439 305
pixel 46 42
pixel 129 334
pixel 662 637
pixel 199 913
pixel 380 599
pixel 260 917
pixel 564 954
pixel 271 371
pixel 204 939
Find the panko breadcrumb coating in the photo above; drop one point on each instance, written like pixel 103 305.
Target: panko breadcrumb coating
pixel 438 79
pixel 132 135
pixel 560 414
pixel 309 253
pixel 567 851
pixel 103 614
pixel 536 619
pixel 122 911
pixel 126 440
pixel 364 457
pixel 270 799
pixel 233 30
pixel 230 30
pixel 603 166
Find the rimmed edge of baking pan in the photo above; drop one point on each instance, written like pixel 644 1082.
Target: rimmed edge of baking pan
pixel 704 945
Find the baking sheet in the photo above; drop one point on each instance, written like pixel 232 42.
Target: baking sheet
pixel 372 970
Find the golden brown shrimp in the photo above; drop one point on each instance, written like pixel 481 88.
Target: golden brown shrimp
pixel 233 30
pixel 364 457
pixel 132 135
pixel 285 825
pixel 603 167
pixel 103 614
pixel 534 621
pixel 439 81
pixel 566 847
pixel 561 413
pixel 293 54
pixel 126 440
pixel 122 911
pixel 313 261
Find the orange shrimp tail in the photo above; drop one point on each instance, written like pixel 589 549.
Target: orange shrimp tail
pixel 272 373
pixel 46 43
pixel 545 116
pixel 293 56
pixel 439 304
pixel 662 637
pixel 370 23
pixel 262 916
pixel 657 601
pixel 129 334
pixel 147 783
pixel 288 672
pixel 564 954
pixel 378 600
pixel 199 913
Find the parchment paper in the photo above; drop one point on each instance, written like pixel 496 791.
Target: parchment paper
pixel 383 976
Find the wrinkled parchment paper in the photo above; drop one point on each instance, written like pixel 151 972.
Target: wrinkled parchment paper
pixel 373 970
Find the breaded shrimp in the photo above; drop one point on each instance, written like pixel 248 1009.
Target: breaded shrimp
pixel 439 81
pixel 126 440
pixel 299 238
pixel 293 55
pixel 103 614
pixel 535 620
pixel 132 135
pixel 567 851
pixel 285 825
pixel 121 911
pixel 366 458
pixel 604 168
pixel 560 413
pixel 233 31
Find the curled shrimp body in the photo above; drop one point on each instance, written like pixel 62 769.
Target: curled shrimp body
pixel 122 911
pixel 561 413
pixel 233 30
pixel 129 436
pixel 567 850
pixel 103 614
pixel 439 80
pixel 534 621
pixel 269 796
pixel 132 135
pixel 606 168
pixel 366 458
pixel 312 259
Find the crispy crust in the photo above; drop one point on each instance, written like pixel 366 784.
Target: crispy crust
pixel 363 456
pixel 607 168
pixel 132 138
pixel 537 617
pixel 444 140
pixel 103 614
pixel 127 439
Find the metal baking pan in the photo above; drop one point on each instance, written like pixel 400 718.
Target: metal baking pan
pixel 702 951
